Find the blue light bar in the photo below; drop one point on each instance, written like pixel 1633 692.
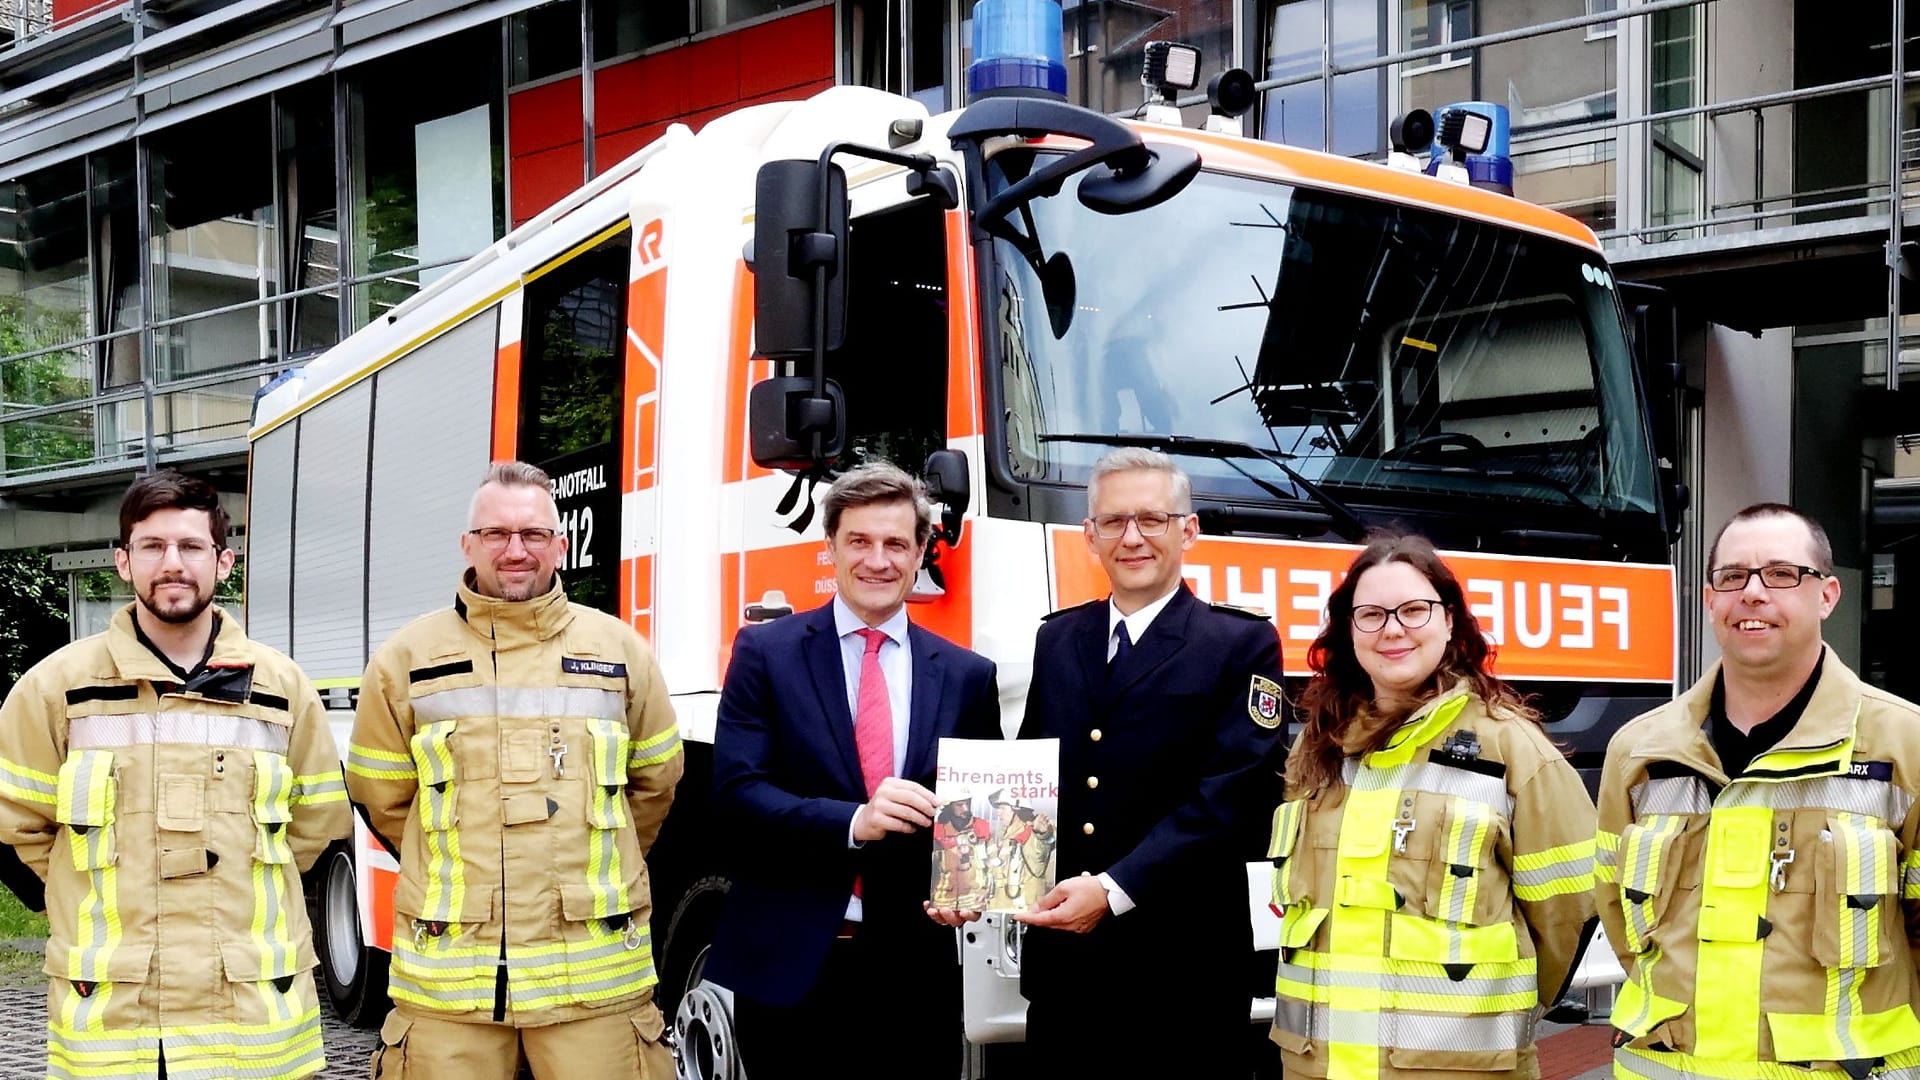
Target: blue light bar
pixel 1017 49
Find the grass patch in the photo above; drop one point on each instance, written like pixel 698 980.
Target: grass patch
pixel 16 921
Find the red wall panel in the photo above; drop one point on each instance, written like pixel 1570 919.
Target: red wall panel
pixel 542 179
pixel 67 9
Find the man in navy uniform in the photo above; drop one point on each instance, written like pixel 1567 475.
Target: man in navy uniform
pixel 829 724
pixel 1168 714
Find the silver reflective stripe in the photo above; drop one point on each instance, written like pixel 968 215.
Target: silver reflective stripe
pixel 1469 987
pixel 1407 1031
pixel 1447 780
pixel 1653 1065
pixel 1843 794
pixel 1370 779
pixel 536 702
pixel 190 728
pixel 1671 795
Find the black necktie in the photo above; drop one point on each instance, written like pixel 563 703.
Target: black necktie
pixel 1123 648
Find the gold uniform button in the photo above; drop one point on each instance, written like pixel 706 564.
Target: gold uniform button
pixel 1087 828
pixel 1093 781
pixel 1094 734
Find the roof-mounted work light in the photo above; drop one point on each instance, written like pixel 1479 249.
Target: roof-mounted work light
pixel 1017 50
pixel 1169 68
pixel 1474 136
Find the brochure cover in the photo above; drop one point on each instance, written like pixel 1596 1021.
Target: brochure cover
pixel 993 837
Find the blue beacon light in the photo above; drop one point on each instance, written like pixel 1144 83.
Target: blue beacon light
pixel 1017 50
pixel 1492 165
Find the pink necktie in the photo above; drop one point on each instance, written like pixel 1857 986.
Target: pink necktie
pixel 873 720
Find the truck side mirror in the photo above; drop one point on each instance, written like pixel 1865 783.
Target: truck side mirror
pixel 785 416
pixel 950 484
pixel 790 245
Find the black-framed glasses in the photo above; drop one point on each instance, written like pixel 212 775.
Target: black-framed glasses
pixel 1149 522
pixel 496 539
pixel 1772 575
pixel 1414 614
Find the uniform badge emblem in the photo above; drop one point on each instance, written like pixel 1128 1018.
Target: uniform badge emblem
pixel 1263 702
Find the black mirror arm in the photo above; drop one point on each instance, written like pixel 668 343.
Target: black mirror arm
pixel 1047 181
pixel 821 253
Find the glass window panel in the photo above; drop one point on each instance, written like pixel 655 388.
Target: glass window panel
pixel 313 249
pixel 427 169
pixel 1106 46
pixel 1295 115
pixel 621 27
pixel 214 243
pixel 44 296
pixel 116 258
pixel 545 41
pixel 717 13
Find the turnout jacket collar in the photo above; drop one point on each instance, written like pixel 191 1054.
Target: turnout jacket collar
pixel 507 623
pixel 132 660
pixel 1821 742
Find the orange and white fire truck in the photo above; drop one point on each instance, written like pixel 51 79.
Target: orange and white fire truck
pixel 996 297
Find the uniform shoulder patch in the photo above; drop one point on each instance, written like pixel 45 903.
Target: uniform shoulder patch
pixel 1066 610
pixel 1263 702
pixel 574 665
pixel 1246 613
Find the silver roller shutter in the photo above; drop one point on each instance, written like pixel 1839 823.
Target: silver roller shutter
pixel 330 528
pixel 270 538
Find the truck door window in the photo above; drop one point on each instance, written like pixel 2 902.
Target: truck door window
pixel 893 367
pixel 572 362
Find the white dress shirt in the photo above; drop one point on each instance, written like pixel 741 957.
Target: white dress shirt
pixel 1137 625
pixel 896 666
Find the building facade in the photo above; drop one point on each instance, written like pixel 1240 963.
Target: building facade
pixel 198 195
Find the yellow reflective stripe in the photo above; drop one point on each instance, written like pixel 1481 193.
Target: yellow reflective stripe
pixel 376 764
pixel 1468 823
pixel 1631 1064
pixel 445 886
pixel 1910 875
pixel 655 749
pixel 1778 764
pixel 1733 891
pixel 1606 857
pixel 1286 831
pixel 281 1048
pixel 1643 849
pixel 1559 871
pixel 1866 852
pixel 1366 844
pixel 316 789
pixel 28 785
pixel 1637 1009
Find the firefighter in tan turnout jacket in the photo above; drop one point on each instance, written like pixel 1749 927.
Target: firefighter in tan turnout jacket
pixel 1758 865
pixel 519 752
pixel 169 780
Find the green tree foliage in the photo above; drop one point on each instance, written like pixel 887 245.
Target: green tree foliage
pixel 47 379
pixel 33 612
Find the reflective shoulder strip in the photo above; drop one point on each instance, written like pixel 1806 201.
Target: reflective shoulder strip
pixel 28 785
pixel 1841 794
pixel 1447 780
pixel 190 728
pixel 1541 875
pixel 1671 795
pixel 379 764
pixel 518 701
pixel 316 788
pixel 655 749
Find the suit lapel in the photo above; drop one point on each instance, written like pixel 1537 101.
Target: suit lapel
pixel 1163 638
pixel 928 679
pixel 822 648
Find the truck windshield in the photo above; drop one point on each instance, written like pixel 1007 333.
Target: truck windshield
pixel 1393 355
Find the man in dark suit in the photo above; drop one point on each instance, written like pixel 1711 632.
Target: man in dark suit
pixel 828 729
pixel 1168 714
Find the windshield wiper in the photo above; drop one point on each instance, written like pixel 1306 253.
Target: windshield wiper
pixel 1345 523
pixel 1551 483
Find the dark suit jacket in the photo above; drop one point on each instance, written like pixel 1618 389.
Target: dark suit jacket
pixel 1167 783
pixel 787 781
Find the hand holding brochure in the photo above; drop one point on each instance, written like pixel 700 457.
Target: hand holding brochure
pixel 993 836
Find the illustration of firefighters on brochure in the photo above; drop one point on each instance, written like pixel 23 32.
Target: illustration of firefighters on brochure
pixel 993 837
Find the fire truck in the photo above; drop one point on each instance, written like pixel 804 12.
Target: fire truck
pixel 994 298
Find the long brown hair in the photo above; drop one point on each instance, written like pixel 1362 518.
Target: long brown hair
pixel 1341 690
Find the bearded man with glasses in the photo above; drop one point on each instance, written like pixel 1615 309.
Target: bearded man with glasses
pixel 1763 830
pixel 170 781
pixel 1168 711
pixel 518 753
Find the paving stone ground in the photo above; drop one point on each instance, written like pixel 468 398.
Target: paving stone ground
pixel 23 1034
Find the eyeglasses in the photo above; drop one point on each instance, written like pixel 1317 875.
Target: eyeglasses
pixel 494 539
pixel 1414 614
pixel 1772 575
pixel 1149 522
pixel 153 550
